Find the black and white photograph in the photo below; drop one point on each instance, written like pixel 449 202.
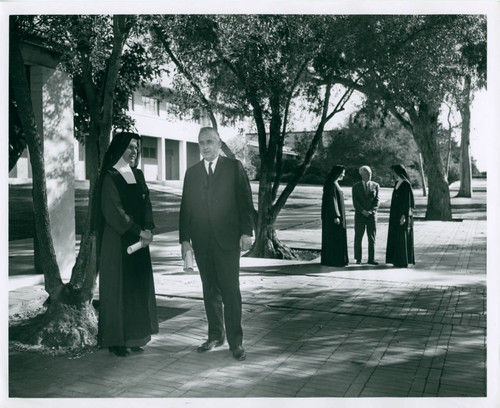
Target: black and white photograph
pixel 251 203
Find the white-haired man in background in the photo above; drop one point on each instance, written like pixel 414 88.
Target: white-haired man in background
pixel 365 200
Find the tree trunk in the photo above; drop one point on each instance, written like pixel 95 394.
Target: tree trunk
pixel 465 156
pixel 425 134
pixel 267 244
pixel 100 102
pixel 17 141
pixel 422 174
pixel 70 321
pixel 62 325
pixel 22 96
pixel 83 276
pixel 448 153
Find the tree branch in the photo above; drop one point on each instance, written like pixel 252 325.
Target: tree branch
pixel 201 97
pixel 281 142
pixel 121 29
pixel 308 157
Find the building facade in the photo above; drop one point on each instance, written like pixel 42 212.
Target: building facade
pixel 52 100
pixel 169 144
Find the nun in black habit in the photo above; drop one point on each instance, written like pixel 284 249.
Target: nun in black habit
pixel 400 247
pixel 334 233
pixel 127 304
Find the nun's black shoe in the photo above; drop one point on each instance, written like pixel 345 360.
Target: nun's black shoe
pixel 119 351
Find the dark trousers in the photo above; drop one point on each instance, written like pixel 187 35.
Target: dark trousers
pixel 219 271
pixel 360 224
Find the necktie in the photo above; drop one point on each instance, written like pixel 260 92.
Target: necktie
pixel 366 188
pixel 210 171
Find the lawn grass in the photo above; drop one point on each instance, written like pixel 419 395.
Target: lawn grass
pixel 21 222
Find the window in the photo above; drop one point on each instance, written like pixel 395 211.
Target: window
pixel 197 115
pixel 131 102
pixel 151 105
pixel 149 152
pixel 200 116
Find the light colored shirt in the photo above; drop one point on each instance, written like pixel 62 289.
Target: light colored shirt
pixel 214 164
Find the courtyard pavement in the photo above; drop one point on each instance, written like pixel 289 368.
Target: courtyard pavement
pixel 310 331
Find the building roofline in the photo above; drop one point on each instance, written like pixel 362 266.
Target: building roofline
pixel 37 51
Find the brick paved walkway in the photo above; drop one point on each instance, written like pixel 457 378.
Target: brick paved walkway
pixel 310 330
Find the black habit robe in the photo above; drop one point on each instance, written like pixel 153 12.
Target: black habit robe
pixel 334 236
pixel 400 247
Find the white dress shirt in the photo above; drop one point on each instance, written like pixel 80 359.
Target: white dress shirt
pixel 214 164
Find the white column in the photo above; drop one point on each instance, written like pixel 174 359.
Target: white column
pixel 52 95
pixel 161 158
pixel 182 159
pixel 75 158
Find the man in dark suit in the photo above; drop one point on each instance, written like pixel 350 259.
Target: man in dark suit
pixel 365 200
pixel 216 223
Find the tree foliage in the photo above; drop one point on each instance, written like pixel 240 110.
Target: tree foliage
pixel 370 137
pixel 256 65
pixel 407 63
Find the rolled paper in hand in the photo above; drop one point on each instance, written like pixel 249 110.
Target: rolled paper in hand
pixel 188 261
pixel 135 247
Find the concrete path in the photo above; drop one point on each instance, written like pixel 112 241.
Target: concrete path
pixel 309 330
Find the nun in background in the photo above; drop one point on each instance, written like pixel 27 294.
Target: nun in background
pixel 400 249
pixel 334 233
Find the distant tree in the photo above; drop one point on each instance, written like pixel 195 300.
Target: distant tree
pixel 239 147
pixel 448 129
pixel 450 153
pixel 370 137
pixel 404 61
pixel 472 71
pixel 379 143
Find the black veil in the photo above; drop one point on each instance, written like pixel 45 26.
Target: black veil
pixel 113 153
pixel 334 174
pixel 400 170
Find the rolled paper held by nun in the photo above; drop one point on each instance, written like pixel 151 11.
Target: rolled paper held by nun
pixel 188 261
pixel 135 247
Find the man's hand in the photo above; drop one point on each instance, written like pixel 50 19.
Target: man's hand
pixel 336 221
pixel 365 213
pixel 245 242
pixel 146 237
pixel 185 246
pixel 402 220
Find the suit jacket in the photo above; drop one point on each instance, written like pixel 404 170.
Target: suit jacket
pixel 365 201
pixel 222 209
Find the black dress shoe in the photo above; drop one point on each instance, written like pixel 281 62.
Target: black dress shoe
pixel 239 353
pixel 137 349
pixel 373 262
pixel 119 351
pixel 210 344
pixel 358 262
